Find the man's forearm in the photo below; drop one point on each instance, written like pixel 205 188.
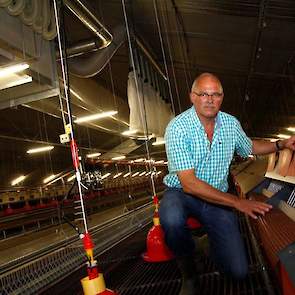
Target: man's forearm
pixel 262 147
pixel 203 190
pixel 208 193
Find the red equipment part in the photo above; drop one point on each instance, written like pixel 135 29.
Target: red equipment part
pixel 87 242
pixel 193 223
pixel 75 156
pixel 287 287
pixel 157 250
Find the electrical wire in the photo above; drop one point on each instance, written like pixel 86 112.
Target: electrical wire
pixel 65 81
pixel 137 90
pixel 166 25
pixel 163 53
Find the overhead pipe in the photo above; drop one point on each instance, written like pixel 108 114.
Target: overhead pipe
pixel 90 66
pixel 84 14
pixel 85 46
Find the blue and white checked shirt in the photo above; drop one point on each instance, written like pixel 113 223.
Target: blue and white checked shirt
pixel 188 147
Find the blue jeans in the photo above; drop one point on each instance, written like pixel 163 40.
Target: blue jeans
pixel 220 223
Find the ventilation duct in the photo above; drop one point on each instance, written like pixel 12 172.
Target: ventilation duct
pixel 20 44
pixel 34 13
pixel 91 65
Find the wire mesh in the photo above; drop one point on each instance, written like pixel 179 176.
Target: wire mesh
pixel 44 271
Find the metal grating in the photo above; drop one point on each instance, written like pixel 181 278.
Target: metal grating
pixel 128 274
pixel 125 271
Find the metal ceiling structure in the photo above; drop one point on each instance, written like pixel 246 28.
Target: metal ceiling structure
pixel 249 44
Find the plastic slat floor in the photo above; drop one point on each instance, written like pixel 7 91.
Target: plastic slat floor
pixel 126 272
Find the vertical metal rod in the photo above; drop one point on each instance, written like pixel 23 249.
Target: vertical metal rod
pixel 137 86
pixel 62 61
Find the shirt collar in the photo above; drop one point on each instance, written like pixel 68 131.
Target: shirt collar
pixel 197 122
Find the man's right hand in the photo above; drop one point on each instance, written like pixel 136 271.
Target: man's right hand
pixel 252 208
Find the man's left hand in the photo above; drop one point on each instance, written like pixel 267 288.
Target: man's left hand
pixel 289 143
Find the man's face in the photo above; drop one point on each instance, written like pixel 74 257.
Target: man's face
pixel 207 97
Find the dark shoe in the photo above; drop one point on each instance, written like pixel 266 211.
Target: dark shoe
pixel 189 275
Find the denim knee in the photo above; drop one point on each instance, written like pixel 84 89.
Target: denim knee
pixel 172 212
pixel 173 220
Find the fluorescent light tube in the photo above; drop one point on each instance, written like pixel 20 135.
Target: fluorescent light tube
pixel 292 129
pixel 18 180
pixel 105 175
pixel 12 69
pixel 49 178
pixel 119 158
pixel 139 160
pixel 41 149
pixel 71 178
pixel 135 174
pixel 159 142
pixel 284 136
pixel 129 132
pixel 117 175
pixel 94 155
pixel 15 81
pixel 95 116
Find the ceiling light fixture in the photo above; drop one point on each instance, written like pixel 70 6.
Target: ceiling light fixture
pixel 49 178
pixel 118 158
pixel 94 155
pixel 18 180
pixel 129 132
pixel 71 178
pixel 117 175
pixel 12 69
pixel 139 160
pixel 15 80
pixel 160 142
pixel 292 129
pixel 41 149
pixel 283 136
pixel 106 175
pixel 95 116
pixel 127 174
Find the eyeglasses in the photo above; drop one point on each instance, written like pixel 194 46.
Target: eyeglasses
pixel 207 95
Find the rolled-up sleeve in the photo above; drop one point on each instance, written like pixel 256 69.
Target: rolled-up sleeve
pixel 243 142
pixel 178 149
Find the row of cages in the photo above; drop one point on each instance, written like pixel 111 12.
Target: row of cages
pixel 24 201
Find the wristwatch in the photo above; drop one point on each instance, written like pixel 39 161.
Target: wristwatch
pixel 278 145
